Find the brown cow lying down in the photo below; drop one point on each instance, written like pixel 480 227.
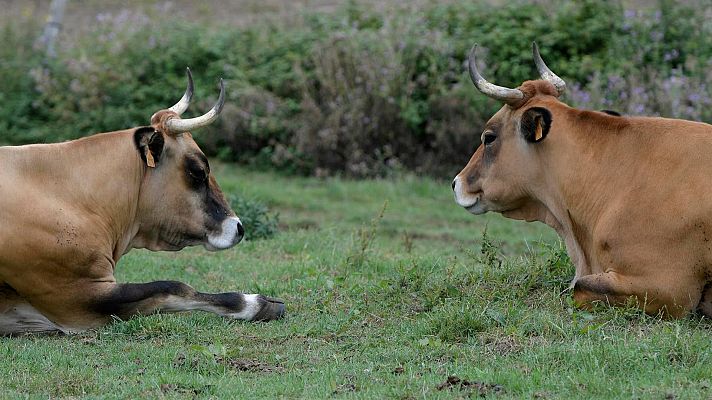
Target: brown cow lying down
pixel 630 196
pixel 69 211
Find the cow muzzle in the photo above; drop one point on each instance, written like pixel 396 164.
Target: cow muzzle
pixel 230 234
pixel 472 202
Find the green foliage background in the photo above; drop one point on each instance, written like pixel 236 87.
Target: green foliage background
pixel 354 91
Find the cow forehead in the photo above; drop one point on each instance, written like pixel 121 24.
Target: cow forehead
pixel 508 115
pixel 186 144
pixel 185 139
pixel 500 119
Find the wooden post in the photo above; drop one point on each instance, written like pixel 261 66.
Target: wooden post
pixel 53 26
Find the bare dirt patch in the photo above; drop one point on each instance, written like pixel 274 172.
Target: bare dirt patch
pixel 246 365
pixel 481 389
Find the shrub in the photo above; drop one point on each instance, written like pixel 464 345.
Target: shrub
pixel 17 87
pixel 258 222
pixel 357 91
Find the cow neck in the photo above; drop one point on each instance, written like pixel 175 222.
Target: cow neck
pixel 107 180
pixel 577 186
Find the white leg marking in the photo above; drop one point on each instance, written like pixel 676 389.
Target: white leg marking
pixel 177 304
pixel 252 307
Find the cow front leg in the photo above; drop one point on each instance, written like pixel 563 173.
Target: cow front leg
pixel 673 299
pixel 129 299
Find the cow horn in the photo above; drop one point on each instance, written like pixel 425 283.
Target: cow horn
pixel 496 92
pixel 182 104
pixel 177 125
pixel 546 73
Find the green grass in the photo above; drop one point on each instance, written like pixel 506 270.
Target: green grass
pixel 378 307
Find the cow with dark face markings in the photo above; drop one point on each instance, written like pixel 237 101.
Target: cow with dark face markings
pixel 69 211
pixel 629 196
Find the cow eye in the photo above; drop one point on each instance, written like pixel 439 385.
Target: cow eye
pixel 198 175
pixel 489 138
pixel 197 172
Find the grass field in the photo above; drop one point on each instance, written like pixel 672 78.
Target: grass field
pixel 412 302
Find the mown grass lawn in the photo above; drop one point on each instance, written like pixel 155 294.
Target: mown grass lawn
pixel 378 307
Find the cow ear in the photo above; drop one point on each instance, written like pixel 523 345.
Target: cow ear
pixel 536 123
pixel 149 143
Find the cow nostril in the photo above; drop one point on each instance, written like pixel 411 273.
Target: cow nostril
pixel 240 229
pixel 453 184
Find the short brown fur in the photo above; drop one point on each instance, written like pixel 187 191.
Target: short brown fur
pixel 71 210
pixel 630 197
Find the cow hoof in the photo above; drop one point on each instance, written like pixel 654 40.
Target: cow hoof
pixel 271 309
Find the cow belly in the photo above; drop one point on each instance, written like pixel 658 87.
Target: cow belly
pixel 24 318
pixel 17 315
pixel 661 252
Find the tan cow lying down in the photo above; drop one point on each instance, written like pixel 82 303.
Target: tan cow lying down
pixel 69 211
pixel 630 196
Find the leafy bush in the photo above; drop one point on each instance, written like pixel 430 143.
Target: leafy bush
pixel 17 87
pixel 259 223
pixel 356 91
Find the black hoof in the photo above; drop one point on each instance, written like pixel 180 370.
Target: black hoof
pixel 271 309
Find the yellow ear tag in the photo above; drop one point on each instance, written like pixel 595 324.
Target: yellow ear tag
pixel 149 157
pixel 539 130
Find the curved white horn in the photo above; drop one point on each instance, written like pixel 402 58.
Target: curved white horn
pixel 546 73
pixel 177 125
pixel 501 93
pixel 182 104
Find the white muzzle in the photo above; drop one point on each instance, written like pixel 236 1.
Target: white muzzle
pixel 230 234
pixel 469 201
